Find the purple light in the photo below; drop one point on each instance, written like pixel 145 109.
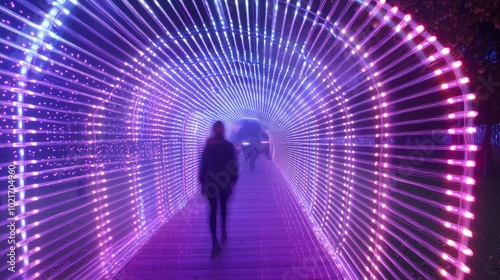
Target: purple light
pixel 107 105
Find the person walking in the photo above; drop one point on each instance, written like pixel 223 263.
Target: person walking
pixel 253 153
pixel 218 174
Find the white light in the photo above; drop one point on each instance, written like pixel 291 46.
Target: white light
pixel 465 269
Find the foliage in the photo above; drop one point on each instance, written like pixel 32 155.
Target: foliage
pixel 471 28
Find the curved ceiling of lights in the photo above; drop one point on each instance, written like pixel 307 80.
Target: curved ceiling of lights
pixel 106 104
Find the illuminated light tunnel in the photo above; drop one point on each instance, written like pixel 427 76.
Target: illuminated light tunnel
pixel 106 105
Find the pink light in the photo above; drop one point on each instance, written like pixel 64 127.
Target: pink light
pixel 467 251
pixel 464 80
pixel 471 130
pixel 457 64
pixel 472 114
pixel 465 269
pixel 470 181
pixel 470 163
pixel 469 215
pixel 445 51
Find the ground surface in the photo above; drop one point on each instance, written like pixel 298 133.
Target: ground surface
pixel 485 263
pixel 268 238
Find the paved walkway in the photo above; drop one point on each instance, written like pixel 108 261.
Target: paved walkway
pixel 268 238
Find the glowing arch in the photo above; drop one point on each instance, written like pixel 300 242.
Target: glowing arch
pixel 110 102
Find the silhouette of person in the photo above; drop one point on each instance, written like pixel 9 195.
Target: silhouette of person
pixel 252 157
pixel 218 173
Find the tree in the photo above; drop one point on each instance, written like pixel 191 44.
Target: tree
pixel 471 29
pixel 488 105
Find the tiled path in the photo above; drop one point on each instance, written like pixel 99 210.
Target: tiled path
pixel 268 238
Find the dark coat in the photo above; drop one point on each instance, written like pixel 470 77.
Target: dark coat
pixel 219 167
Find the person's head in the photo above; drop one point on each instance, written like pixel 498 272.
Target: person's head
pixel 218 128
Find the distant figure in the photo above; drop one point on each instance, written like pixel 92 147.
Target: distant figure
pixel 218 173
pixel 238 150
pixel 252 156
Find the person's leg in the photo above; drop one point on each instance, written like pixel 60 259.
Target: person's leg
pixel 213 225
pixel 223 211
pixel 213 214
